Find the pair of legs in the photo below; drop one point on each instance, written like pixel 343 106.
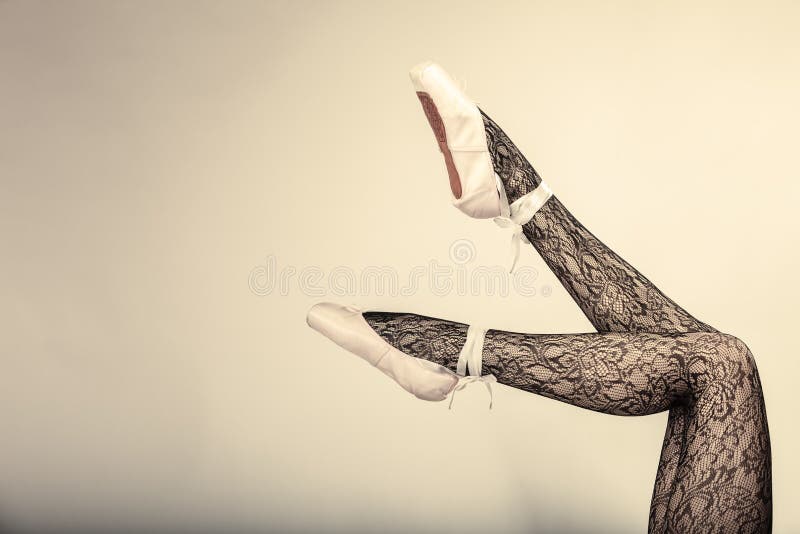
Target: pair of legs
pixel 648 355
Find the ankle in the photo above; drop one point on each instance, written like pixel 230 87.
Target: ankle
pixel 517 175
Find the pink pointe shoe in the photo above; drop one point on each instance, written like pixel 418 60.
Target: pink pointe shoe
pixel 459 129
pixel 346 326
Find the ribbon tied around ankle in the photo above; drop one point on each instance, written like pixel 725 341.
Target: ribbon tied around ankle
pixel 470 360
pixel 519 213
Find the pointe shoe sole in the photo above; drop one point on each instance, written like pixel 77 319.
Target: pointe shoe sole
pixel 459 130
pixel 346 326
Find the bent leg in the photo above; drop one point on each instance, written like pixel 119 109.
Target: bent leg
pixel 724 482
pixel 720 478
pixel 722 475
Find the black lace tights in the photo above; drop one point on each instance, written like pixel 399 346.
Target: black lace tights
pixel 649 355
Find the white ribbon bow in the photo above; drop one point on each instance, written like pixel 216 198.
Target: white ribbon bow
pixel 471 360
pixel 467 380
pixel 518 213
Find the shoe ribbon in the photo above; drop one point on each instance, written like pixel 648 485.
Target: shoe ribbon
pixel 517 214
pixel 470 360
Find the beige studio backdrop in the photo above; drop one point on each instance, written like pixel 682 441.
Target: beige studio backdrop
pixel 181 181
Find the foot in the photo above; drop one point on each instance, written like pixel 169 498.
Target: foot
pixel 489 177
pixel 458 127
pixel 517 175
pixel 427 380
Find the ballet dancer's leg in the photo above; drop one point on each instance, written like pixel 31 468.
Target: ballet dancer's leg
pixel 724 477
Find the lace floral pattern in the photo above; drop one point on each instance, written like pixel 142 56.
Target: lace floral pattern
pixel 615 297
pixel 648 355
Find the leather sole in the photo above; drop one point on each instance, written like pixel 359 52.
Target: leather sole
pixel 437 125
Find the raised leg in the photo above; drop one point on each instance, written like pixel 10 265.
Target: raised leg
pixel 613 295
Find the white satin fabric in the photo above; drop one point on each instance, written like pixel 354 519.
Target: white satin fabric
pixel 483 194
pixel 466 139
pixel 346 326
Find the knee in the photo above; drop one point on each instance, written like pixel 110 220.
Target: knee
pixel 736 354
pixel 723 358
